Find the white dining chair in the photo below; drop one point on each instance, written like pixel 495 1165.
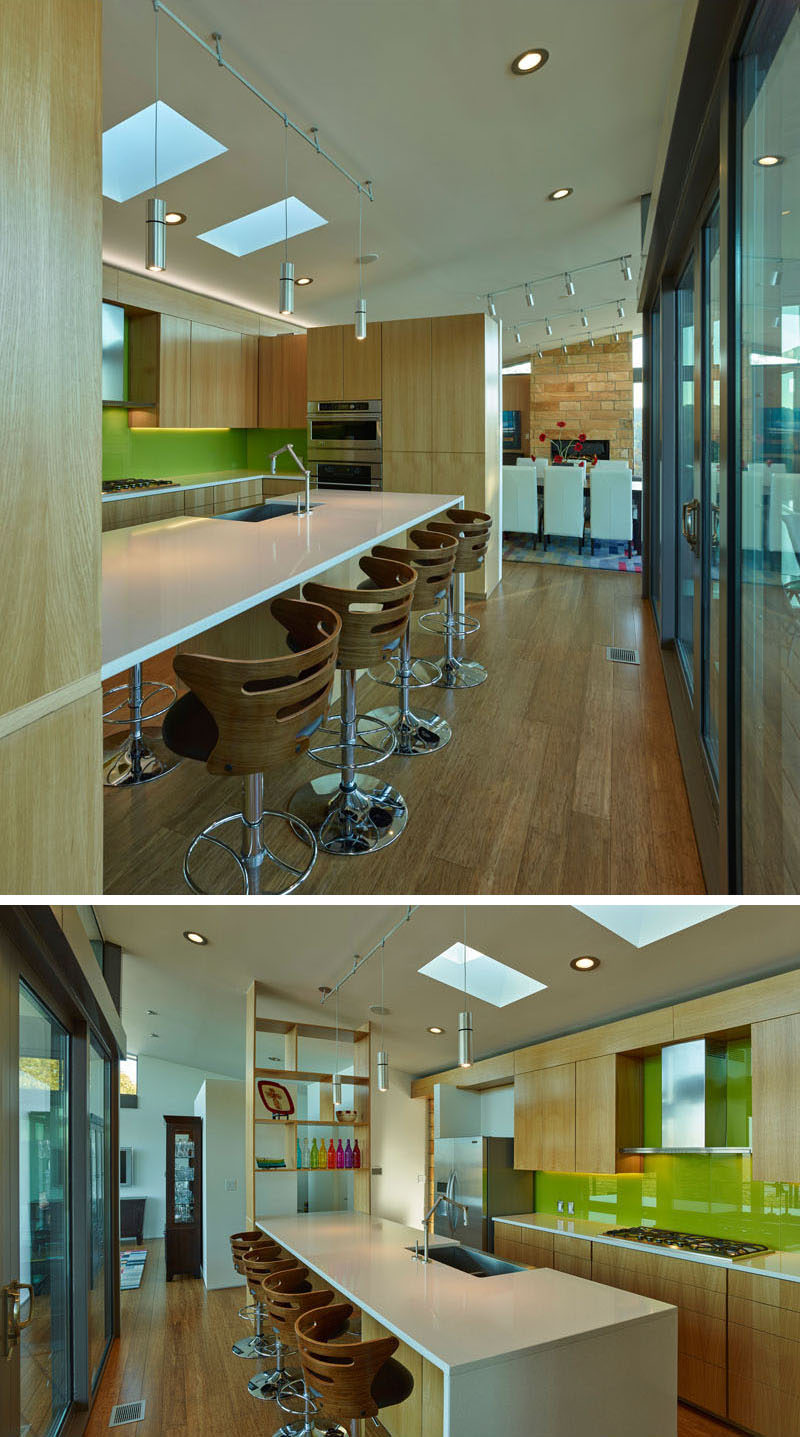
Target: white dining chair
pixel 525 463
pixel 784 493
pixel 611 507
pixel 563 503
pixel 541 467
pixel 752 509
pixel 520 499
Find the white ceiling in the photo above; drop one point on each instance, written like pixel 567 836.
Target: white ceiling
pixel 417 96
pixel 198 993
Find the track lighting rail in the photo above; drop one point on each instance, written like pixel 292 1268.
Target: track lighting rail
pixel 360 959
pixel 364 187
pixel 530 284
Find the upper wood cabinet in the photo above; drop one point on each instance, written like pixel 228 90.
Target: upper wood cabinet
pixel 361 363
pixel 282 386
pixel 159 369
pixel 776 1099
pixel 325 358
pixel 406 362
pixel 608 1113
pixel 222 388
pixel 341 366
pixel 458 384
pixel 544 1119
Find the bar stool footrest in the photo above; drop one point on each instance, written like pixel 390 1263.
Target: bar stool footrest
pixel 388 674
pixel 382 750
pixel 250 868
pixel 435 622
pixel 149 690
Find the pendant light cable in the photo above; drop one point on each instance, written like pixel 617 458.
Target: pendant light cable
pixel 337 1081
pixel 155 125
pixel 465 1035
pixel 286 283
pixel 155 255
pixel 383 1057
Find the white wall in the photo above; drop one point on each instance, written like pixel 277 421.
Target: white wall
pixel 497 1112
pixel 163 1088
pixel 221 1105
pixel 398 1147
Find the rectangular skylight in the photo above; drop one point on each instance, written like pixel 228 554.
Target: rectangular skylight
pixel 641 924
pixel 263 227
pixel 128 151
pixel 487 979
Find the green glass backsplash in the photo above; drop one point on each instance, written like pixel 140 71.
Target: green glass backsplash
pixel 171 453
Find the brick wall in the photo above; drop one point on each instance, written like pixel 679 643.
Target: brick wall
pixel 591 388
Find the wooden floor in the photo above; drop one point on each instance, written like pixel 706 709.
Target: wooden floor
pixel 175 1353
pixel 562 776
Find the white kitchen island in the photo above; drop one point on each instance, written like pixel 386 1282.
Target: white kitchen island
pixel 534 1353
pixel 166 582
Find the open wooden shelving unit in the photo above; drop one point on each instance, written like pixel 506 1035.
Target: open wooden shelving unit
pixel 356 1046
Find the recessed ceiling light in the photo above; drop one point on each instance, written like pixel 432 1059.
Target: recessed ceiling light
pixel 530 60
pixel 128 151
pixel 174 217
pixel 194 937
pixel 264 227
pixel 768 161
pixel 436 1031
pixel 561 193
pixel 585 964
pixel 304 279
pixel 486 979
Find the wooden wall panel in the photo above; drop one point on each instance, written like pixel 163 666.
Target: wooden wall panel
pixel 406 354
pixel 407 473
pixel 738 1007
pixel 361 363
pixel 776 1099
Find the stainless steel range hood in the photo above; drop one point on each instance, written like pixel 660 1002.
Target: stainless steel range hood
pixel 694 1104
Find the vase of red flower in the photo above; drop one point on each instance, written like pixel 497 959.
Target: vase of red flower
pixel 566 449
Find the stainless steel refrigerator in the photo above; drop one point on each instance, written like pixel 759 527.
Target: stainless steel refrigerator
pixel 478 1172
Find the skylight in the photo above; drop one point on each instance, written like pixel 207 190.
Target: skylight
pixel 487 979
pixel 128 150
pixel 641 924
pixel 264 227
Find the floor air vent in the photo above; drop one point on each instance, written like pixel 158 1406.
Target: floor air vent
pixel 622 656
pixel 126 1412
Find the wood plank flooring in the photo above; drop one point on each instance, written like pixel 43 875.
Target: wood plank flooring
pixel 562 776
pixel 175 1353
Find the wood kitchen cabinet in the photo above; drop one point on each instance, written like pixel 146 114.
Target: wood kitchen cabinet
pixel 572 1255
pixel 776 1098
pixel 339 366
pixel 523 1244
pixel 282 384
pixel 159 369
pixel 143 509
pixel 406 378
pixel 608 1113
pixel 458 384
pixel 422 1414
pixel 544 1119
pixel 764 1354
pixel 223 393
pixel 324 360
pixel 407 473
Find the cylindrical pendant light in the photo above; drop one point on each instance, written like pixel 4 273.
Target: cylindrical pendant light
pixel 337 1081
pixel 361 303
pixel 156 235
pixel 361 319
pixel 155 249
pixel 382 1060
pixel 465 1036
pixel 286 288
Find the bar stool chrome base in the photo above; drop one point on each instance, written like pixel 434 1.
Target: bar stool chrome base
pixel 254 850
pixel 349 821
pixel 416 733
pixel 264 1386
pixel 461 674
pixel 139 759
pixel 246 1347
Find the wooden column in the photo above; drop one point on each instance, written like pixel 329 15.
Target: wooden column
pixel 50 412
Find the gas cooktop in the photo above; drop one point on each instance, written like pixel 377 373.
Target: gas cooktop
pixel 688 1242
pixel 115 486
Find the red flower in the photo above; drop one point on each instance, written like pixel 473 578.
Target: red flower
pixel 556 458
pixel 542 438
pixel 561 423
pixel 578 447
pixel 581 436
pixel 594 461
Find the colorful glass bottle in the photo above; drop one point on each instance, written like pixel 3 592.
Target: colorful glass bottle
pixel 314 1160
pixel 306 1154
pixel 331 1155
pixel 340 1155
pixel 356 1155
pixel 299 1154
pixel 348 1155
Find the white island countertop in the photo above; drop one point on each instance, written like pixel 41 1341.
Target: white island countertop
pixel 453 1319
pixel 165 582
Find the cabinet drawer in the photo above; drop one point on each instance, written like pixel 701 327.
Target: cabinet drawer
pixel 770 1290
pixel 680 1270
pixel 572 1263
pixel 663 1289
pixel 760 1356
pixel 511 1251
pixel 237 495
pixel 572 1246
pixel 763 1409
pixel 702 1384
pixel 199 501
pixel 777 1321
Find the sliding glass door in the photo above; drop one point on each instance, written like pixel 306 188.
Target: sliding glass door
pixel 710 496
pixel 688 503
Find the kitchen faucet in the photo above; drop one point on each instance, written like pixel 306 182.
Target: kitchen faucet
pixel 289 449
pixel 426 1223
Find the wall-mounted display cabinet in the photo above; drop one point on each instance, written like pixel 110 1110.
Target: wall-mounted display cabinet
pixel 183 1229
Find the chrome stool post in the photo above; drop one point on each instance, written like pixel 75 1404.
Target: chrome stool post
pixel 253 848
pixel 139 759
pixel 419 731
pixel 456 673
pixel 472 529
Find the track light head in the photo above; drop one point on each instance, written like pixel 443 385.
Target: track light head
pixel 624 265
pixel 491 307
pixel 548 327
pixel 529 300
pixel 568 282
pixel 620 309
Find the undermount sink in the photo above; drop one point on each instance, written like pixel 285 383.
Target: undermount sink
pixel 259 512
pixel 470 1260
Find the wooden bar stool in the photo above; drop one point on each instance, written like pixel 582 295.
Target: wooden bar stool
pixel 140 759
pixel 432 560
pixel 350 1380
pixel 289 1295
pixel 260 1264
pixel 241 1243
pixel 349 811
pixel 472 529
pixel 249 717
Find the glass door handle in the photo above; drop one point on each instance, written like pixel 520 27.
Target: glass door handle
pixel 10 1304
pixel 715 525
pixel 689 513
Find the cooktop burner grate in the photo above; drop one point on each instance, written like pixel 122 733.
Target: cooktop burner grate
pixel 116 486
pixel 688 1242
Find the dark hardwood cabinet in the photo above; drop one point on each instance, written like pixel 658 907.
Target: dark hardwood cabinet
pixel 183 1230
